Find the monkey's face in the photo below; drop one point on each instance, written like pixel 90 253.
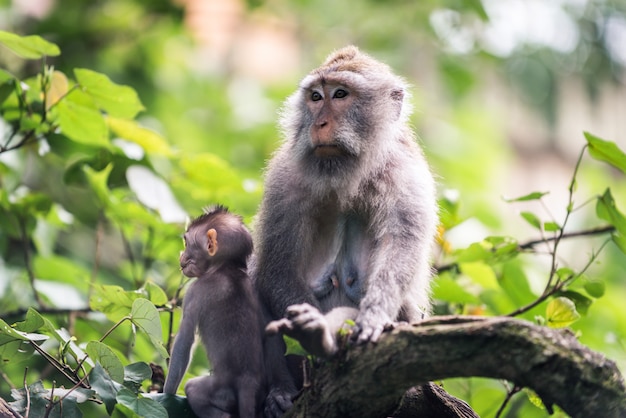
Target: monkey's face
pixel 195 260
pixel 329 105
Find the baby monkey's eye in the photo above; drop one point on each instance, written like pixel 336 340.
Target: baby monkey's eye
pixel 315 96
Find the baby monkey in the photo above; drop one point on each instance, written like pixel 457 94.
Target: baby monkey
pixel 222 307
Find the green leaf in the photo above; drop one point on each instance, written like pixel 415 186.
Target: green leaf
pixel 98 180
pixel 176 406
pixel 144 407
pixel 37 400
pixel 528 197
pixel 145 315
pixel 155 293
pixel 294 347
pixel 104 386
pixel 620 241
pixel 62 269
pixel 16 351
pixel 9 334
pixel 137 372
pixel 595 288
pixel 606 151
pixel 113 301
pixel 581 301
pixel 130 130
pixel 551 227
pixel 81 123
pixel 532 219
pixel 481 274
pixel 447 289
pixel 29 47
pixel 515 284
pixel 57 89
pixel 561 312
pixel 100 352
pixel 607 210
pixel 116 100
pixel 31 323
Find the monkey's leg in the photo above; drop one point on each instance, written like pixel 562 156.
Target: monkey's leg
pixel 247 391
pixel 209 398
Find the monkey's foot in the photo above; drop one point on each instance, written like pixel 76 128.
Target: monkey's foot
pixel 309 326
pixel 277 402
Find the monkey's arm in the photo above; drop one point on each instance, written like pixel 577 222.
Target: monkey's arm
pixel 284 237
pixel 179 358
pixel 398 282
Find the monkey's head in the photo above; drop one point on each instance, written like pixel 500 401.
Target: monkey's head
pixel 343 111
pixel 214 238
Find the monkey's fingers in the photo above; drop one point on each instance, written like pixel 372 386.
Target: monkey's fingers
pixel 300 309
pixel 368 334
pixel 276 327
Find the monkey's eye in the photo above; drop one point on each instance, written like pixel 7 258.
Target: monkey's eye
pixel 315 96
pixel 340 94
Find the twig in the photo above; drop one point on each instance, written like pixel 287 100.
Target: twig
pixel 27 260
pixel 510 393
pixel 529 245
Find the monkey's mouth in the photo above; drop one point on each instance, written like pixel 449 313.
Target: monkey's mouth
pixel 327 151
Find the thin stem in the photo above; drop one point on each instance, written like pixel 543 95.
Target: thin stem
pixel 27 261
pixel 514 390
pixel 25 384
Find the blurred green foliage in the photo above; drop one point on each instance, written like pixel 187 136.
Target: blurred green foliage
pixel 109 142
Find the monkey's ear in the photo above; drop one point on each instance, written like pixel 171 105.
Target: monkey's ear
pixel 211 234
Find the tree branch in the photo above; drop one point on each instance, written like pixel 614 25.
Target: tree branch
pixel 529 245
pixel 367 381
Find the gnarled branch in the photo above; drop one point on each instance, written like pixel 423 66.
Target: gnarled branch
pixel 367 381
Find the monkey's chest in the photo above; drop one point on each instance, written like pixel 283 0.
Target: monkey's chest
pixel 339 262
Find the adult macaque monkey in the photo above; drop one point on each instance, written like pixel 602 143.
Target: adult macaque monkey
pixel 349 211
pixel 222 306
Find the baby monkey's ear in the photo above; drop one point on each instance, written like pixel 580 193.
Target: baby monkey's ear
pixel 211 234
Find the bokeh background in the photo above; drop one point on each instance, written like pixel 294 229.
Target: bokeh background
pixel 502 91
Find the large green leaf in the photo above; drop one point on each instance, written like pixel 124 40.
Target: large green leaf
pixel 130 130
pixel 9 334
pixel 137 372
pixel 144 407
pixel 29 47
pixel 36 401
pixel 81 123
pixel 607 210
pixel 113 301
pixel 176 406
pixel 31 323
pixel 145 315
pixel 449 290
pixel 101 353
pixel 62 269
pixel 104 386
pixel 116 100
pixel 606 151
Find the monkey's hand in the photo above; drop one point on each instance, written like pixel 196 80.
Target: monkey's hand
pixel 370 325
pixel 309 326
